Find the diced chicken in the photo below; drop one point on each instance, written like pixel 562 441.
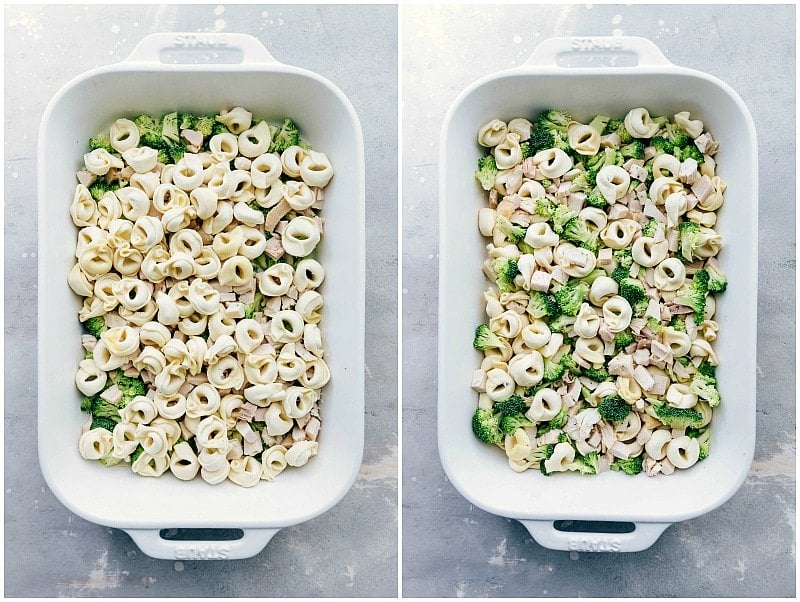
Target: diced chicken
pixel 235 310
pixel 274 248
pixel 651 467
pixel 576 200
pixel 706 144
pixel 703 188
pixel 228 297
pixel 320 221
pixel 559 275
pixel 679 309
pixel 660 352
pixel 254 447
pixel 195 138
pixel 643 377
pixel 272 306
pixel 220 288
pixel 649 152
pixel 660 384
pixel 548 438
pixel 298 434
pixel 493 198
pixel 605 257
pixel 197 379
pixel 241 162
pixel 186 388
pixel 540 281
pixel 113 320
pixel 88 342
pixel 643 436
pixel 638 173
pixel 688 173
pixel 86 178
pixel 575 257
pixel 247 412
pixel 235 450
pixel 612 140
pixel 650 210
pixel 653 309
pixel 260 415
pixel 312 429
pixel 479 381
pixel 276 214
pixel 621 365
pixel 185 431
pixel 634 207
pixel 604 333
pixel 246 430
pixel 609 348
pixel 112 394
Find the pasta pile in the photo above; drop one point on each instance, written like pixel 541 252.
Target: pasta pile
pixel 598 350
pixel 195 261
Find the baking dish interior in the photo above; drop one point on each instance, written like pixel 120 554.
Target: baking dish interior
pixel 481 473
pixel 116 496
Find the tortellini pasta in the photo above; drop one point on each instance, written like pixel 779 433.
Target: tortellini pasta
pixel 202 295
pixel 597 342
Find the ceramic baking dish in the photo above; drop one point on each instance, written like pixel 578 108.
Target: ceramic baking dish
pixel 145 83
pixel 598 85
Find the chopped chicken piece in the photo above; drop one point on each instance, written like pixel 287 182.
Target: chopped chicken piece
pixel 649 152
pixel 195 138
pixel 312 429
pixel 621 365
pixel 540 281
pixel 559 275
pixel 113 320
pixel 688 173
pixel 241 162
pixel 493 198
pixel 86 178
pixel 605 257
pixel 112 394
pixel 643 377
pixel 638 173
pixel 246 412
pixel 235 310
pixel 276 214
pixel 226 297
pixel 186 388
pixel 246 430
pixel 479 381
pixel 88 342
pixel 253 447
pixel 650 210
pixel 617 211
pixel 197 379
pixel 703 188
pixel 660 383
pixel 706 144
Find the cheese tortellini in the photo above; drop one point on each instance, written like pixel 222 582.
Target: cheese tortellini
pixel 202 295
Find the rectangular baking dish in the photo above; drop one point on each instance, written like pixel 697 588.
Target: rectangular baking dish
pixel 481 474
pixel 145 83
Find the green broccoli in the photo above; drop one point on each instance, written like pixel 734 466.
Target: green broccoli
pixel 103 423
pixel 598 375
pixel 131 386
pixel 557 422
pixel 690 152
pixel 588 464
pixel 569 363
pixel 599 122
pixel 555 119
pixel 100 187
pixel 650 228
pixel 149 131
pixel 487 171
pixel 690 238
pixel 485 339
pixel 655 326
pixel 176 151
pixel 545 208
pixel 633 291
pixel 619 273
pixel 513 405
pixel 561 215
pixel 187 121
pixel 623 258
pixel 576 231
pixel 554 123
pixel 514 233
pixel 593 275
pixel 506 270
pixel 623 339
pixel 553 370
pixel 584 182
pixel 613 408
pixel 561 324
pixel 662 145
pixel 486 426
pixel 288 135
pixel 675 134
pixel 542 305
pixel 708 370
pixel 596 199
pixel 103 409
pixel 634 150
pixel 693 294
pixel 541 138
pixel 136 453
pixel 676 418
pixel 87 403
pixel 703 437
pixel 570 296
pixel 717 281
pixel 617 126
pixel 631 466
pixel 95 326
pixel 204 124
pixel 705 387
pixel 170 132
pixel 102 141
pixel 511 422
pixel 684 360
pixel 678 322
pixel 255 306
pixel 527 149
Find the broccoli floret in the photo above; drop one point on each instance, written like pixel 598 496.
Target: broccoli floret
pixel 136 453
pixel 614 409
pixel 584 182
pixel 596 199
pixel 694 295
pixel 599 122
pixel 511 422
pixel 649 229
pixel 513 405
pixel 576 231
pixel 219 128
pixel 684 360
pixel 623 258
pixel 100 187
pixel 655 326
pixel 541 138
pixel 570 296
pixel 662 145
pixel 569 363
pixel 675 134
pixel 555 119
pixel 506 270
pixel 186 121
pixel 631 466
pixel 131 386
pixel 598 375
pixel 619 273
pixel 634 150
pixel 149 131
pixel 617 126
pixel 708 370
pixel 561 215
pixel 553 370
pixel 95 326
pixel 676 418
pixel 705 387
pixel 623 339
pixel 170 132
pixel 678 323
pixel 717 281
pixel 485 339
pixel 633 291
pixel 588 464
pixel 205 124
pixel 542 305
pixel 288 135
pixel 486 426
pixel 527 149
pixel 541 454
pixel 255 306
pixel 513 232
pixel 557 422
pixel 103 423
pixel 102 141
pixel 176 151
pixel 103 409
pixel 163 156
pixel 86 404
pixel 690 152
pixel 690 237
pixel 545 208
pixel 593 275
pixel 487 172
pixel 561 324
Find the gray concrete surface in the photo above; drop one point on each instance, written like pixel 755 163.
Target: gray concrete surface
pixel 745 548
pixel 349 551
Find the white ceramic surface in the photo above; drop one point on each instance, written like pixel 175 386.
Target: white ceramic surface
pixel 480 473
pixel 144 83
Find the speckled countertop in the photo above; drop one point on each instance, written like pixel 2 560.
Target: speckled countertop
pixel 350 550
pixel 745 548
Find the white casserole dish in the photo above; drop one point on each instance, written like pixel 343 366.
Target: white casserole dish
pixel 144 84
pixel 481 473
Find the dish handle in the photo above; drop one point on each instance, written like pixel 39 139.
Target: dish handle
pixel 581 52
pixel 642 537
pixel 251 543
pixel 211 47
